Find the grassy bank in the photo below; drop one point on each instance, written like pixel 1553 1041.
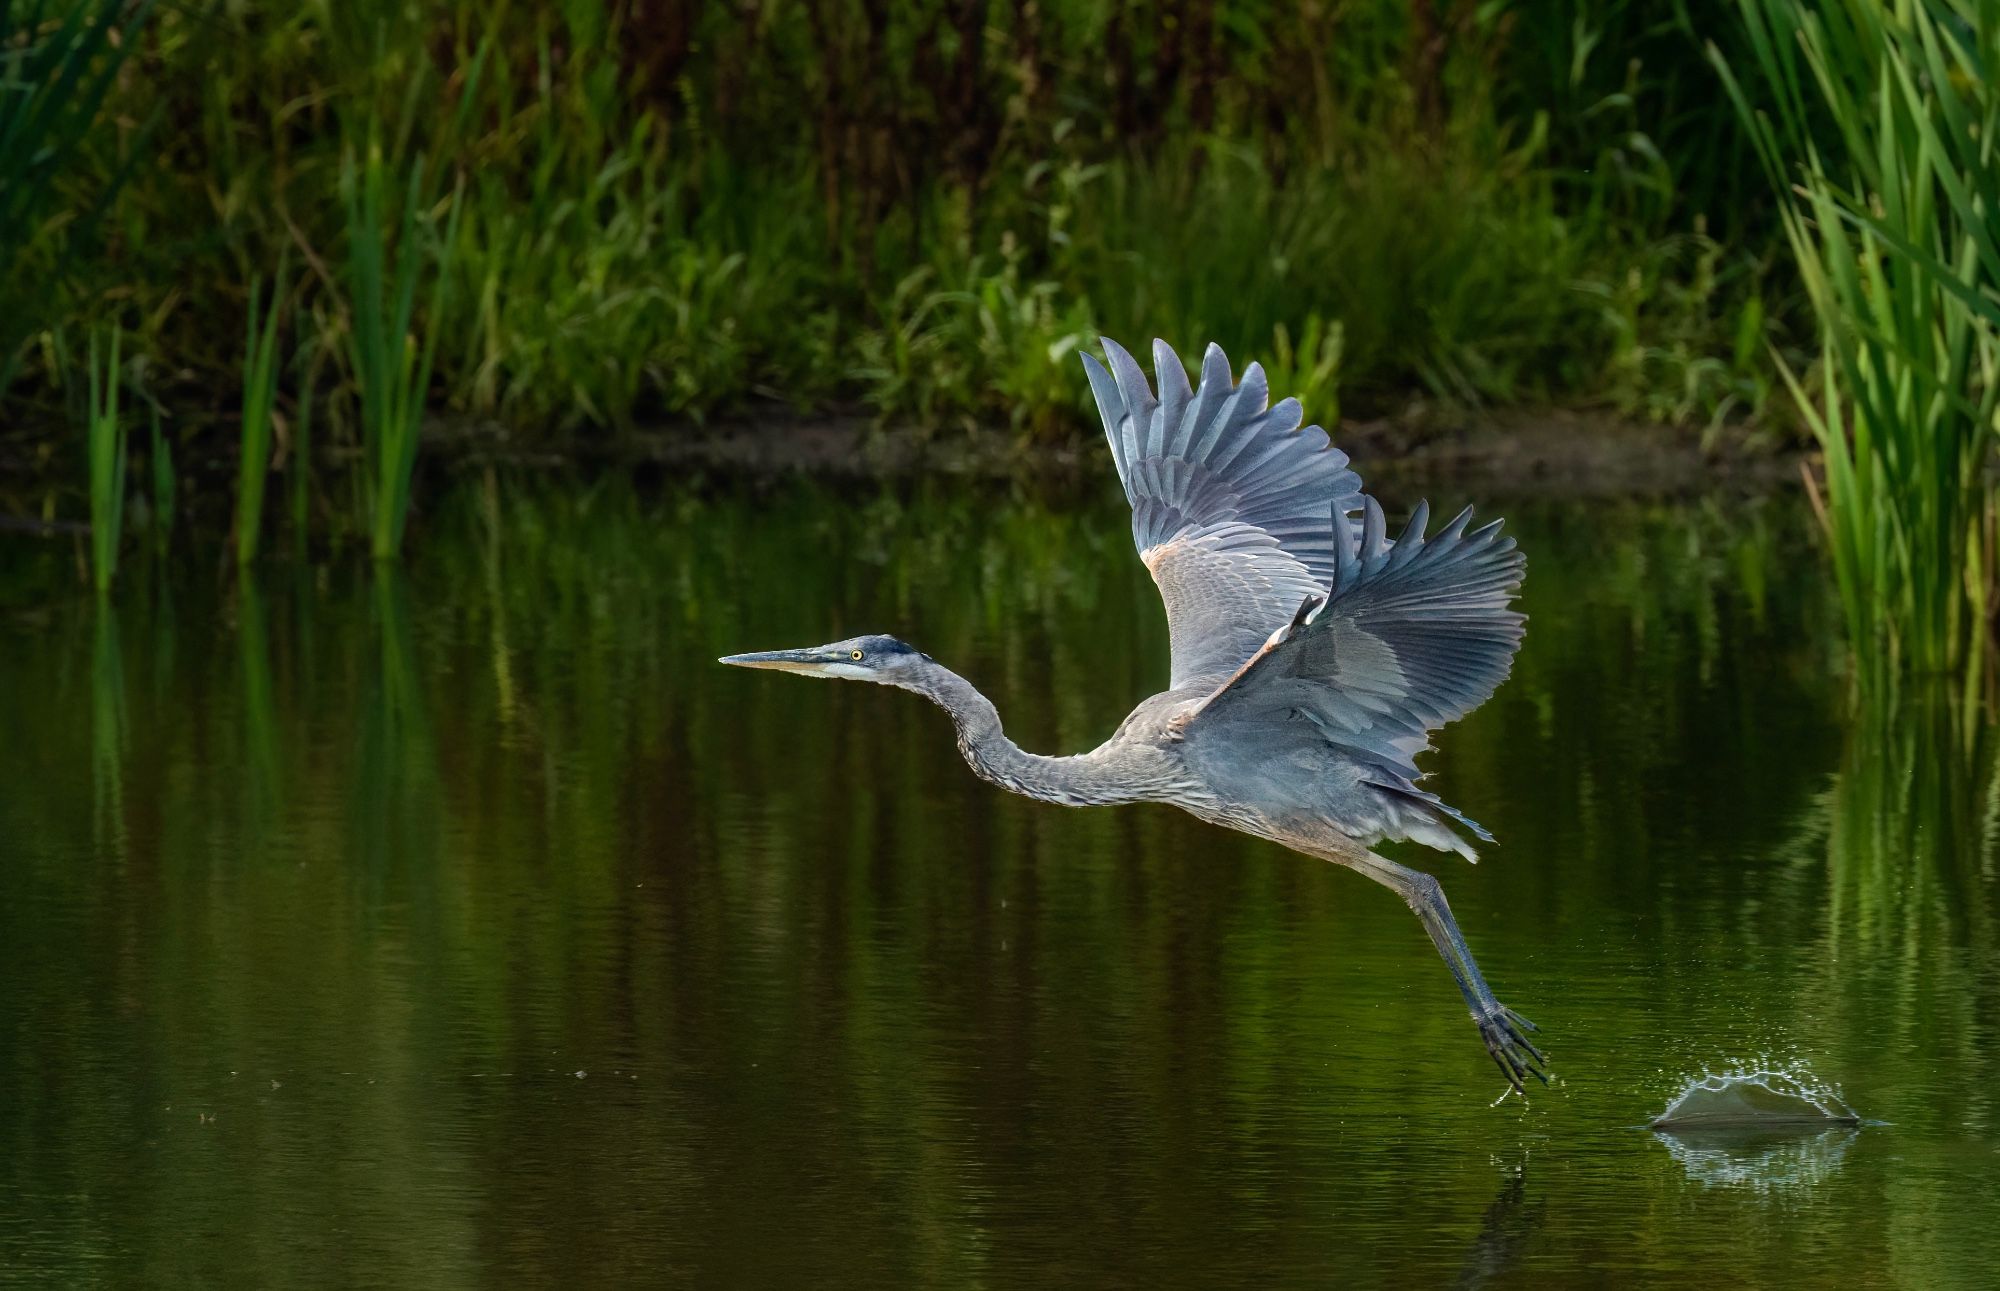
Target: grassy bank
pixel 922 210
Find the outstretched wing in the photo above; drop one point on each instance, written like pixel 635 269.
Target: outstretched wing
pixel 1412 635
pixel 1229 501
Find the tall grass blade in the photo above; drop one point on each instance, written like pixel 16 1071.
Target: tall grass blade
pixel 106 437
pixel 1875 125
pixel 392 366
pixel 260 391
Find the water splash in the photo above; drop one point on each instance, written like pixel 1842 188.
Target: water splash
pixel 1757 1098
pixel 1764 1128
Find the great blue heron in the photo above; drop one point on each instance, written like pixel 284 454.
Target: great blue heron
pixel 1312 656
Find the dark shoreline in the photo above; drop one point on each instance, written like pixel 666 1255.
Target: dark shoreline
pixel 1544 452
pixel 1516 453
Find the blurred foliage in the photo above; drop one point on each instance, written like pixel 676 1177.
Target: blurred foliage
pixel 922 208
pixel 56 67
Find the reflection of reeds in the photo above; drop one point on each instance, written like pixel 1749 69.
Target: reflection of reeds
pixel 1879 139
pixel 1902 966
pixel 397 766
pixel 107 727
pixel 401 674
pixel 1913 820
pixel 491 563
pixel 650 862
pixel 1907 924
pixel 260 723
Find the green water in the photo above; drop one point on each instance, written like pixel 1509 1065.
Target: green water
pixel 472 927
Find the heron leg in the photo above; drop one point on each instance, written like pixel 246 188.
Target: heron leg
pixel 1503 1030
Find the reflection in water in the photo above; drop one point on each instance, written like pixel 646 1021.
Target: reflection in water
pixel 1904 838
pixel 1911 832
pixel 396 788
pixel 1786 1160
pixel 1769 1129
pixel 107 731
pixel 260 723
pixel 319 894
pixel 1505 1232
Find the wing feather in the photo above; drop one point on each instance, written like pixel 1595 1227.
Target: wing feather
pixel 1412 634
pixel 1230 500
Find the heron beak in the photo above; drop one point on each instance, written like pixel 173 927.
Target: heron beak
pixel 782 660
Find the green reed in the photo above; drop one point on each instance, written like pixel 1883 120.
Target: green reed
pixel 260 391
pixel 392 367
pixel 1877 125
pixel 106 437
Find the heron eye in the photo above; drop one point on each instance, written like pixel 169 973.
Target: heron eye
pixel 855 655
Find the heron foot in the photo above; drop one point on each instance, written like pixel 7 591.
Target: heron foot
pixel 1506 1035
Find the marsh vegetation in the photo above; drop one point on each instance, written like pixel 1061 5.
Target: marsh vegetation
pixel 572 220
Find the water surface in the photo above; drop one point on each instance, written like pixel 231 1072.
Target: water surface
pixel 470 926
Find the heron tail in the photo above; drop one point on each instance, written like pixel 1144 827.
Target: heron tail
pixel 1425 818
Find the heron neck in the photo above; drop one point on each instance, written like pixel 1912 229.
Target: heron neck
pixel 1080 781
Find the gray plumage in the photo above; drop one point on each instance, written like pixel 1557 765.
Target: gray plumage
pixel 1229 501
pixel 1312 655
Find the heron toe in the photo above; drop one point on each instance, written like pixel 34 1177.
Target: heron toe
pixel 1505 1034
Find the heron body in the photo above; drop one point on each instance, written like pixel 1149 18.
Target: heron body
pixel 1312 656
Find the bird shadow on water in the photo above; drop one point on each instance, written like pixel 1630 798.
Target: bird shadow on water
pixel 1505 1232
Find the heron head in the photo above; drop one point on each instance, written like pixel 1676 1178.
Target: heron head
pixel 870 658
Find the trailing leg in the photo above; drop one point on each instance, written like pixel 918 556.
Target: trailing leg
pixel 1503 1030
